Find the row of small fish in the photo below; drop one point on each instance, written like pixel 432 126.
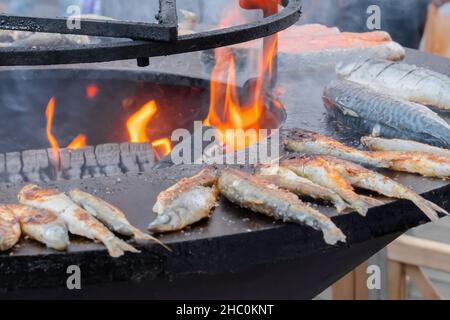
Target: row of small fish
pixel 390 100
pixel 397 155
pixel 48 215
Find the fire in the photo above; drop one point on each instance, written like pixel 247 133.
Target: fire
pixel 138 124
pixel 226 111
pixel 49 113
pixel 78 143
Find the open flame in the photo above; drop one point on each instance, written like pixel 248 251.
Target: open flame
pixel 226 111
pixel 77 143
pixel 138 125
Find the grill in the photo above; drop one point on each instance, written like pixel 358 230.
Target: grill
pixel 169 43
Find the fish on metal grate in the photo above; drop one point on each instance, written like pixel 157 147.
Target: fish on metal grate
pixel 372 112
pixel 259 196
pixel 401 80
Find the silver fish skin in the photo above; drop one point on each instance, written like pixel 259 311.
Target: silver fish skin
pixel 9 229
pixel 381 144
pixel 287 179
pixel 319 171
pixel 363 178
pixel 374 113
pixel 189 207
pixel 79 221
pixel 401 80
pixel 110 215
pixel 255 194
pixel 43 226
pixel 312 143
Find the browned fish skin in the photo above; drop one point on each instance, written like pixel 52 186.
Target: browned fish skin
pixel 79 221
pixel 311 143
pixel 287 179
pixel 43 226
pixel 319 171
pixel 252 193
pixel 205 178
pixel 9 229
pixel 366 179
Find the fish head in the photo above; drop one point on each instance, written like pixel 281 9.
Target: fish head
pixel 56 236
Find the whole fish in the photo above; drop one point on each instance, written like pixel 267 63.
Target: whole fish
pixel 43 226
pixel 79 221
pixel 361 177
pixel 187 202
pixel 287 179
pixel 319 171
pixel 311 143
pixel 111 216
pixel 401 80
pixel 255 194
pixel 380 144
pixel 372 112
pixel 9 229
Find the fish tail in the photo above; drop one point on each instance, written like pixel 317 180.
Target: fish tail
pixel 372 202
pixel 426 208
pixel 333 234
pixel 437 208
pixel 117 247
pixel 141 236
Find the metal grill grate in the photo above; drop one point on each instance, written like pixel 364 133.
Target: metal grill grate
pixel 165 30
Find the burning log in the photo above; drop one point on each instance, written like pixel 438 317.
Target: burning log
pixel 104 160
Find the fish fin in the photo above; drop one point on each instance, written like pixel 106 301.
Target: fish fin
pixel 141 236
pixel 334 235
pixel 437 208
pixel 117 247
pixel 426 208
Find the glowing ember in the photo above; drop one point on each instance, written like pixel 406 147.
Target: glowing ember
pixel 138 125
pixel 78 143
pixel 91 91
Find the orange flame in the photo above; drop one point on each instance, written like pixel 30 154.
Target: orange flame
pixel 78 143
pixel 138 124
pixel 226 111
pixel 49 113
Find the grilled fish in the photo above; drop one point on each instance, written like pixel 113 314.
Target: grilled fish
pixel 9 229
pixel 187 202
pixel 79 221
pixel 111 216
pixel 319 171
pixel 361 177
pixel 311 143
pixel 255 194
pixel 401 80
pixel 372 112
pixel 380 144
pixel 43 226
pixel 287 179
pixel 205 178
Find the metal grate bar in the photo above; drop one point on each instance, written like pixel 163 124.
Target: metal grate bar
pixel 165 31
